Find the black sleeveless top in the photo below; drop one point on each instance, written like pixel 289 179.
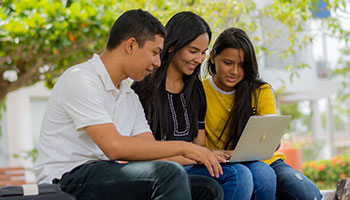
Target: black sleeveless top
pixel 179 114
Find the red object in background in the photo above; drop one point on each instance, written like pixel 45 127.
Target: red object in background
pixel 293 157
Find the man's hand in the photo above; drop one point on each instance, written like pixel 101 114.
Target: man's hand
pixel 205 156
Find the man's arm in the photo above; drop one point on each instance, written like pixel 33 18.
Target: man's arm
pixel 179 159
pixel 118 147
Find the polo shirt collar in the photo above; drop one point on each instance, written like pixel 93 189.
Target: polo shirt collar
pixel 106 79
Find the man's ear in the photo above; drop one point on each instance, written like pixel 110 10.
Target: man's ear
pixel 130 45
pixel 212 60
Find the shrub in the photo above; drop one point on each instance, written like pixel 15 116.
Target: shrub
pixel 325 173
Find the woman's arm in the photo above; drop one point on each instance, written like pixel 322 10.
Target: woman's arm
pixel 200 139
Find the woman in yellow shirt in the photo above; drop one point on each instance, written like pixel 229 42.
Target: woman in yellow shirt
pixel 234 92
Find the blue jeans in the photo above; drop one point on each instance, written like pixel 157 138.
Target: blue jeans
pixel 137 180
pixel 264 180
pixel 238 181
pixel 293 185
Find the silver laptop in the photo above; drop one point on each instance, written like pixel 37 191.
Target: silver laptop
pixel 260 138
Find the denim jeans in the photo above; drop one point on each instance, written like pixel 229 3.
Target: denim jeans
pixel 240 179
pixel 264 180
pixel 237 181
pixel 293 185
pixel 135 180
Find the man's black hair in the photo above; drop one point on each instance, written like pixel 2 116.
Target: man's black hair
pixel 135 23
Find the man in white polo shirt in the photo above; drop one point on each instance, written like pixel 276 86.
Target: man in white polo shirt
pixel 93 119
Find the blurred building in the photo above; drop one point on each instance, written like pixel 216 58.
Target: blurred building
pixel 21 125
pixel 309 84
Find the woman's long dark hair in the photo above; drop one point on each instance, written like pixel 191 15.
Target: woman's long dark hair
pixel 242 106
pixel 182 28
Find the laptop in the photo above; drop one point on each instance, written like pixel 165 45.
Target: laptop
pixel 260 138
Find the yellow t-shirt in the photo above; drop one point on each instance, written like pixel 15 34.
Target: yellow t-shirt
pixel 219 103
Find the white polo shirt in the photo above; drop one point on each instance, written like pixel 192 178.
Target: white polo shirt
pixel 84 95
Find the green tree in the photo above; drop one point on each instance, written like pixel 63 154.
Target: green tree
pixel 293 110
pixel 39 39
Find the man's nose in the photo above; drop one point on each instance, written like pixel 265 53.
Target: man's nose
pixel 157 61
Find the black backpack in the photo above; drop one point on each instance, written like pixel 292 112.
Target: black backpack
pixel 34 192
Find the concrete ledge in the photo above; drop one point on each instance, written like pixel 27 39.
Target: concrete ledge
pixel 328 194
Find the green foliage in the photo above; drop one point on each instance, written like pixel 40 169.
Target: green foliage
pixel 41 38
pixel 291 109
pixel 286 12
pixel 294 70
pixel 325 173
pixel 299 118
pixel 30 154
pixel 339 11
pixel 311 150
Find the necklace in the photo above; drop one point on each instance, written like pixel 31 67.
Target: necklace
pixel 173 114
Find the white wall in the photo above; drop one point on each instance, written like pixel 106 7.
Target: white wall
pixel 37 110
pixel 24 113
